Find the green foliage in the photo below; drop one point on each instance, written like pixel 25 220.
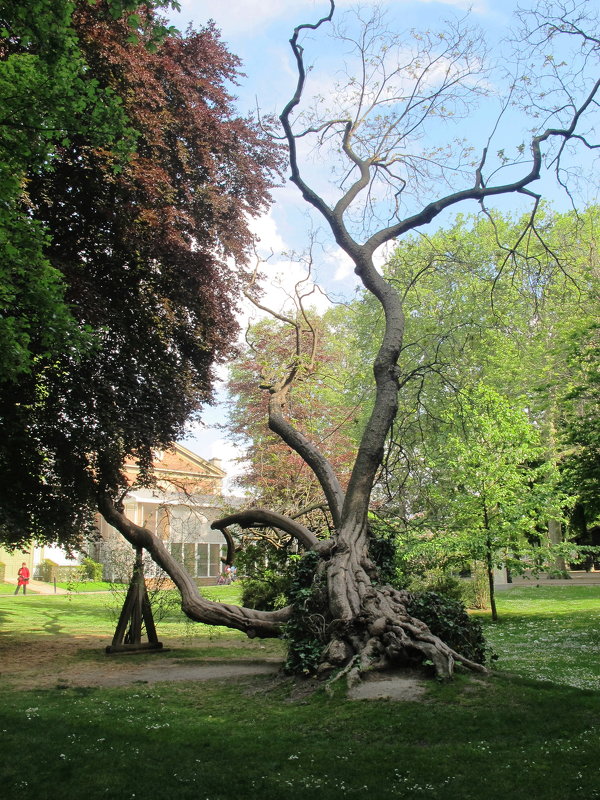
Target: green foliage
pixel 305 631
pixel 92 570
pixel 47 569
pixel 448 619
pixel 383 551
pixel 266 570
pixel 267 593
pixel 437 580
pixel 475 592
pixel 493 489
pixel 484 316
pixel 48 97
pixel 129 180
pixel 581 419
pixel 498 393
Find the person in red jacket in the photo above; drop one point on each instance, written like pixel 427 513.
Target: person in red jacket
pixel 23 575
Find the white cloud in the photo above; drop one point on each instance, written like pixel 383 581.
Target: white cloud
pixel 269 238
pixel 341 264
pixel 282 278
pixel 242 17
pixel 237 17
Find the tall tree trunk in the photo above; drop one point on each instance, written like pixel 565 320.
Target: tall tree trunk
pixel 555 536
pixel 489 561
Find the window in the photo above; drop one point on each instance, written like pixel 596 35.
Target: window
pixel 200 559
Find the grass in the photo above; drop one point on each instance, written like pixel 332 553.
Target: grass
pixel 518 734
pixel 84 586
pixel 75 615
pixel 9 588
pixel 549 633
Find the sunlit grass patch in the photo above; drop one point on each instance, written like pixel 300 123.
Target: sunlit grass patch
pixel 549 633
pixel 9 588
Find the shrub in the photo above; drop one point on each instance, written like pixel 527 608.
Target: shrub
pixel 267 593
pixel 449 620
pixel 438 581
pixel 383 551
pixel 475 592
pixel 92 570
pixel 305 631
pixel 47 570
pixel 266 575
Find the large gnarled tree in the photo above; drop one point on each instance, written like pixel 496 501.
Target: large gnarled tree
pixel 388 186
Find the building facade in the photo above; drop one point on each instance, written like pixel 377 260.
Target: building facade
pixel 187 498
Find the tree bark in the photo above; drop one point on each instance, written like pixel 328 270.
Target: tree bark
pixel 366 625
pixel 264 624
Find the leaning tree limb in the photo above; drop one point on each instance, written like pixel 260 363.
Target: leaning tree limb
pixel 264 624
pixel 263 518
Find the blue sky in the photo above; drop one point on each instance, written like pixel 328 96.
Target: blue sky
pixel 258 32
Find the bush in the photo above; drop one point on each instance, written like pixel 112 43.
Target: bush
pixel 266 575
pixel 449 620
pixel 266 593
pixel 92 570
pixel 438 581
pixel 305 631
pixel 475 591
pixel 383 551
pixel 47 570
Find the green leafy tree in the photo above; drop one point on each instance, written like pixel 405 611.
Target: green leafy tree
pixel 580 424
pixel 47 97
pixel 479 310
pixel 491 488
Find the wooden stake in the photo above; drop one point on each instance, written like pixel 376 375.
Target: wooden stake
pixel 136 609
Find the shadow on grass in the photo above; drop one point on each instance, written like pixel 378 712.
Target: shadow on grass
pixel 494 737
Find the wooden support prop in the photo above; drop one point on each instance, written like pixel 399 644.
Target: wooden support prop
pixel 136 609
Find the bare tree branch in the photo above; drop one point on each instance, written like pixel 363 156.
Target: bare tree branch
pixel 260 517
pixel 264 624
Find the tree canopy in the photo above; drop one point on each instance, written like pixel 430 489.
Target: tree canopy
pixel 136 200
pixel 495 340
pixel 395 169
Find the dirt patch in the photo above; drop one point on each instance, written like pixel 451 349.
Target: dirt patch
pixel 81 661
pixel 162 672
pixel 389 686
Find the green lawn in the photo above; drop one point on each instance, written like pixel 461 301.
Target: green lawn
pixel 506 736
pixel 9 588
pixel 94 614
pixel 549 633
pixel 84 586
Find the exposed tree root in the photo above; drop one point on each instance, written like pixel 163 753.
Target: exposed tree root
pixel 385 636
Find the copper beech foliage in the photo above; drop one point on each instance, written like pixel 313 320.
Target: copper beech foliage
pixel 145 246
pixel 275 475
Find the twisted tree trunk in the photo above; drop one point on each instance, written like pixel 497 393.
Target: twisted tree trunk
pixel 363 624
